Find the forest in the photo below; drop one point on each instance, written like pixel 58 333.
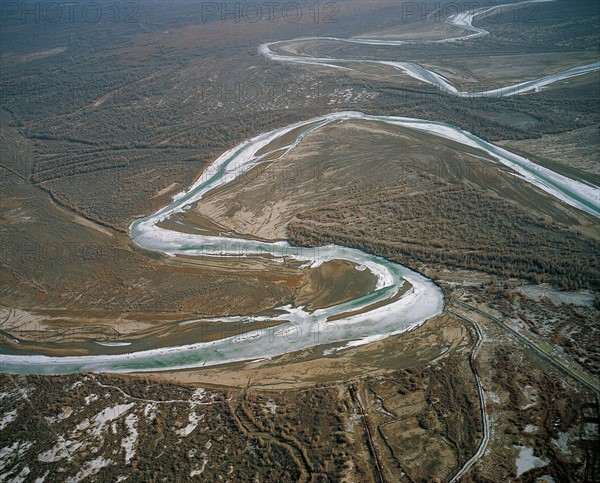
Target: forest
pixel 456 227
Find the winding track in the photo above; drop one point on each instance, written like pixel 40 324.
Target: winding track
pixel 484 414
pixel 301 329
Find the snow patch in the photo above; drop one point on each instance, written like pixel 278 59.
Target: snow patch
pixel 107 415
pixel 527 460
pixel 272 407
pixel 8 418
pixel 20 478
pixel 150 411
pixel 90 468
pixel 562 443
pixel 130 442
pixel 66 412
pixel 75 385
pixel 193 419
pixel 61 450
pixel 41 479
pixel 590 431
pixel 198 472
pixel 545 479
pixel 584 298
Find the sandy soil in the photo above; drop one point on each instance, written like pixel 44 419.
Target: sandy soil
pixel 442 335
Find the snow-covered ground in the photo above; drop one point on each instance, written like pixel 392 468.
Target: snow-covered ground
pixel 584 298
pixel 526 460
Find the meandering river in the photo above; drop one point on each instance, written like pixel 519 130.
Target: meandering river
pixel 461 22
pixel 374 316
